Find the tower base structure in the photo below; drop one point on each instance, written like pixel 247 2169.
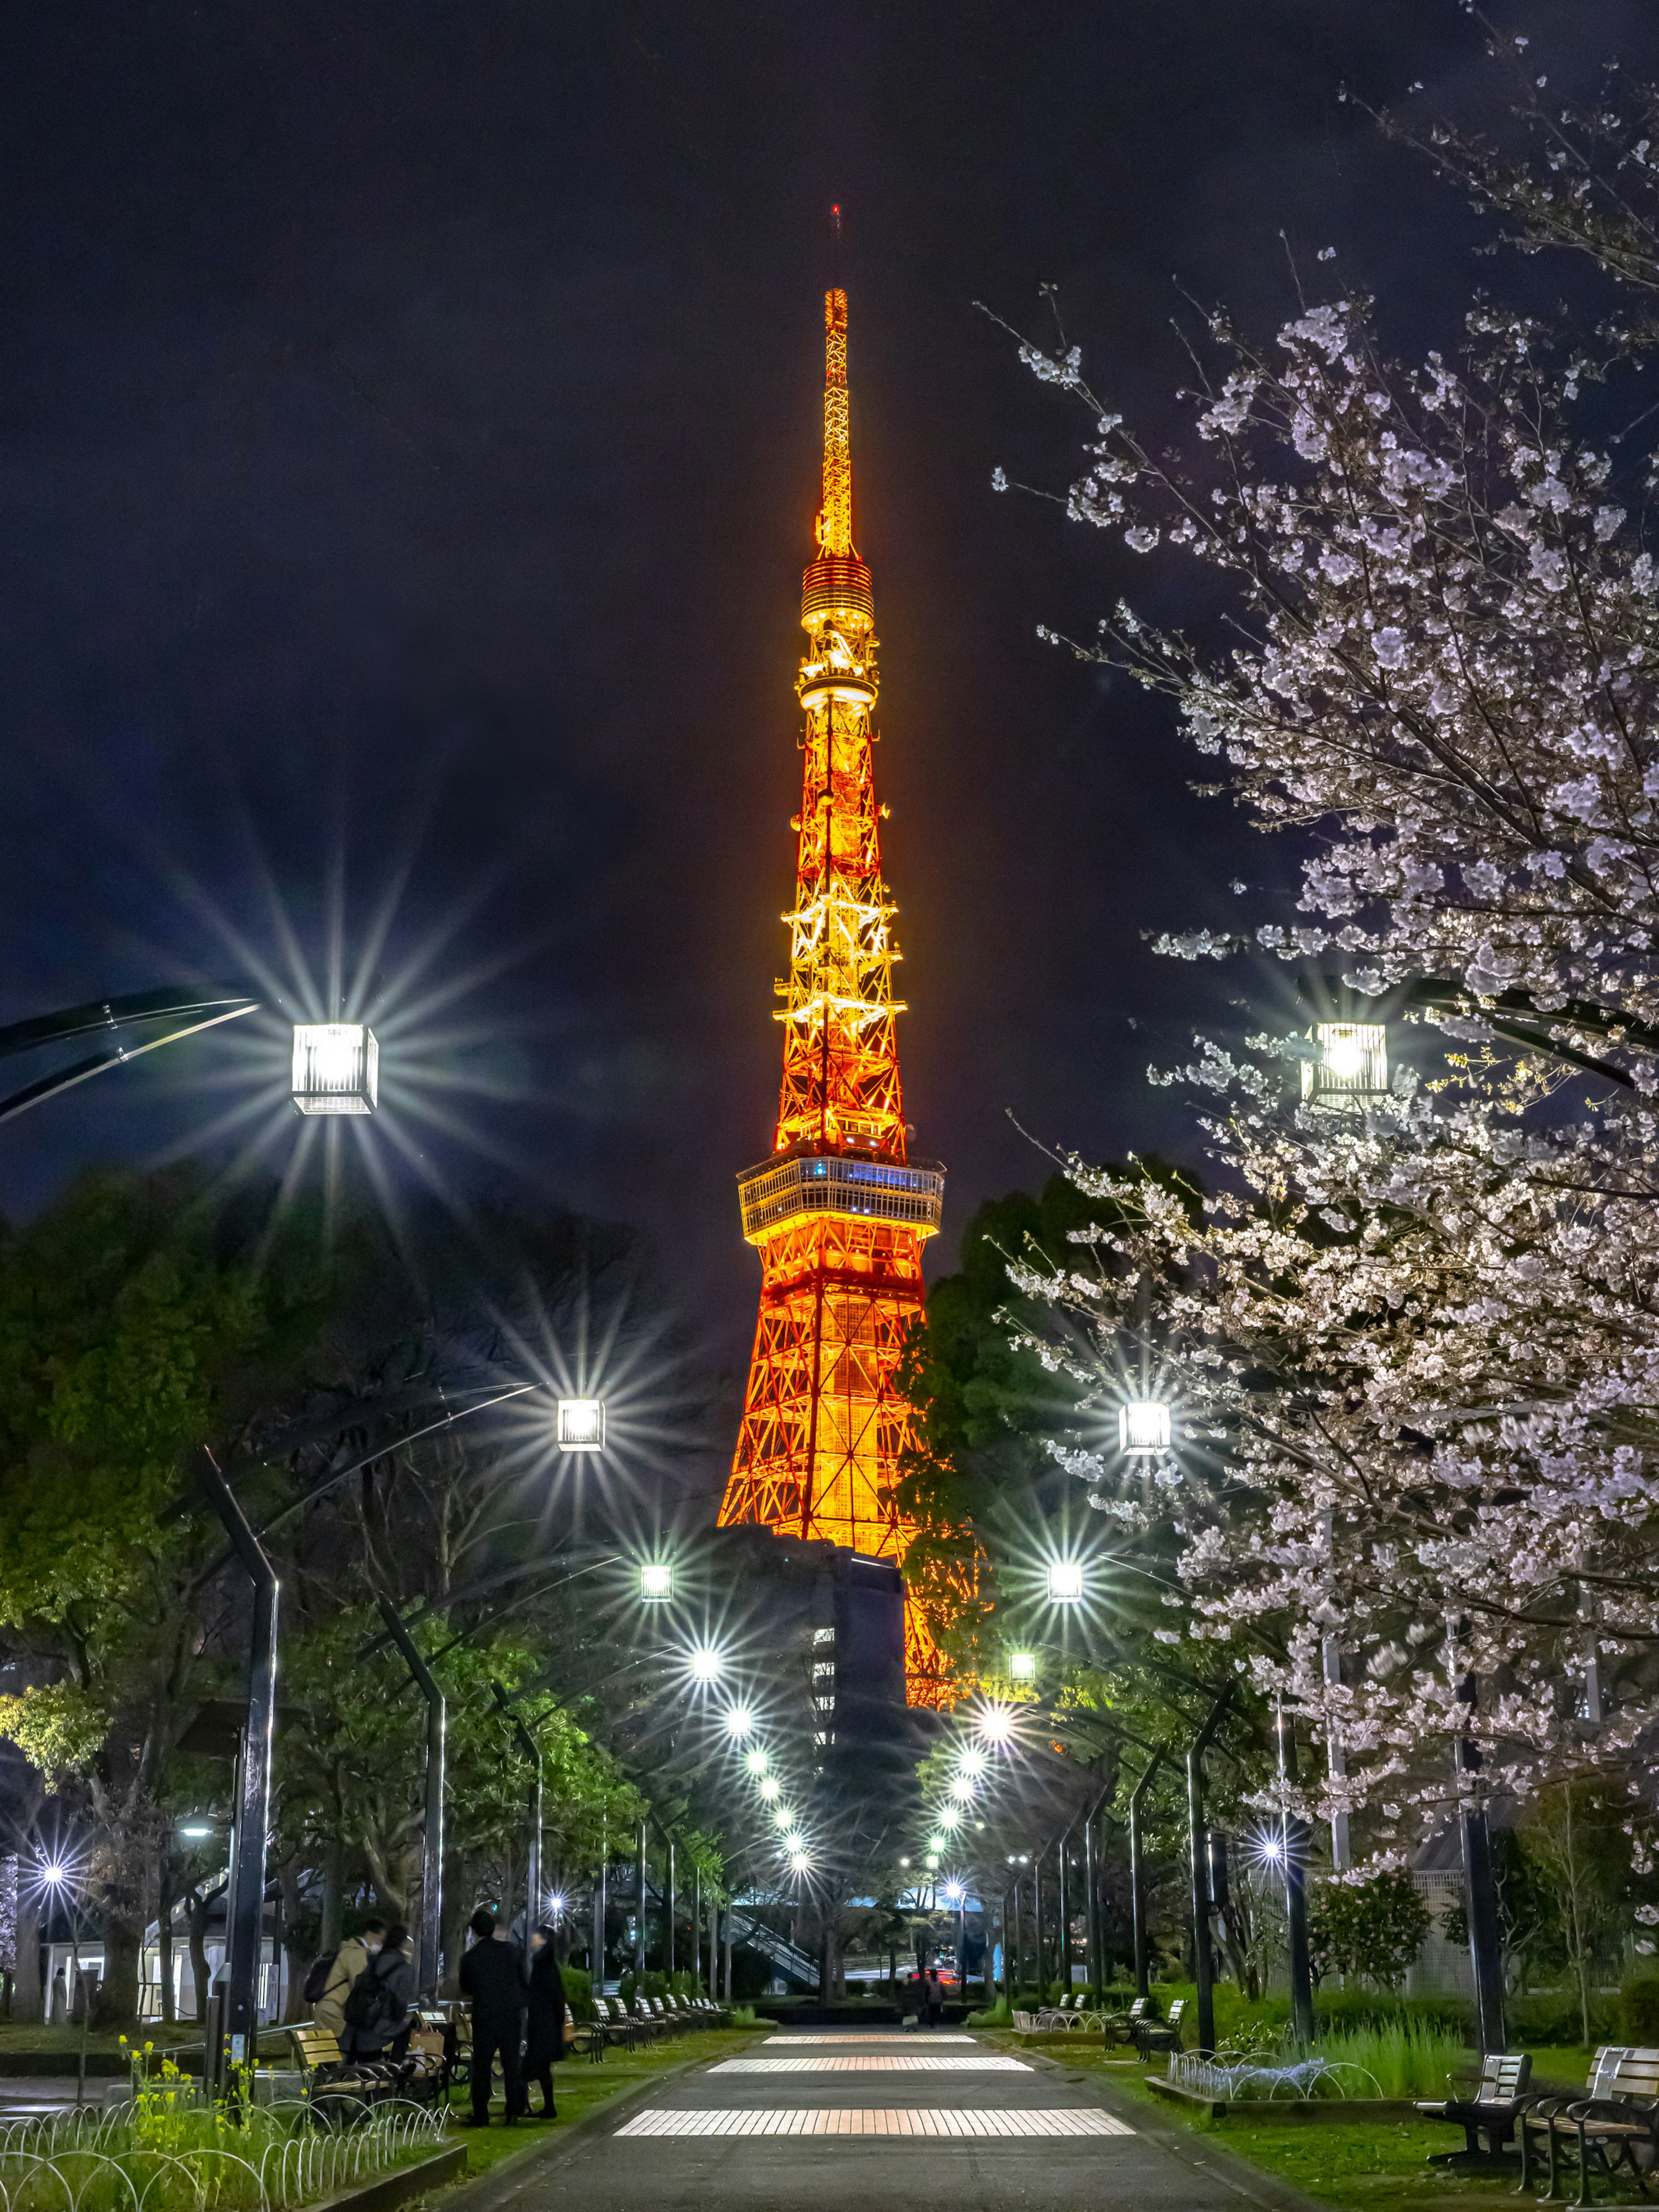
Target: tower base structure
pixel 825 1425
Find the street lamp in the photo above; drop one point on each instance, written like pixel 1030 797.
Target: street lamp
pixel 799 1862
pixel 755 1760
pixel 656 1582
pixel 971 1765
pixel 337 1068
pixel 995 1724
pixel 783 1819
pixel 707 1666
pixel 582 1425
pixel 771 1788
pixel 1065 1583
pixel 1351 1065
pixel 1022 1667
pixel 962 1789
pixel 1143 1427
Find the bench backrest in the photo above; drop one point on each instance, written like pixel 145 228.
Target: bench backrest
pixel 1137 2009
pixel 1504 2075
pixel 1603 2067
pixel 315 2047
pixel 1175 2011
pixel 1637 2074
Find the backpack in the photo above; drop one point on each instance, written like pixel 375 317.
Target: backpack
pixel 318 1979
pixel 371 2004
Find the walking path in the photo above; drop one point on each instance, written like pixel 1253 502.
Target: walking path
pixel 858 2123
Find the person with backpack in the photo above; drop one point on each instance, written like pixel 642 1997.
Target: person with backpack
pixel 377 2008
pixel 492 1976
pixel 330 1981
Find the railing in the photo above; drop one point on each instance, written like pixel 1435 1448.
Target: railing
pixel 1256 2080
pixel 830 1182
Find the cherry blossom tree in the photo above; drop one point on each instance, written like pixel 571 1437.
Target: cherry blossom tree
pixel 1414 1345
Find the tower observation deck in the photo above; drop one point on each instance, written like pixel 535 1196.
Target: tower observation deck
pixel 839 1212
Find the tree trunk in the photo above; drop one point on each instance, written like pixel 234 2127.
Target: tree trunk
pixel 28 2004
pixel 164 1940
pixel 123 1948
pixel 196 1906
pixel 457 1911
pixel 294 1942
pixel 333 1896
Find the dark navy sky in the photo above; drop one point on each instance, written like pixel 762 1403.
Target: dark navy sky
pixel 408 427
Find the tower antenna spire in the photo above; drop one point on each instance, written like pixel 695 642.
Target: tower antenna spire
pixel 839 1212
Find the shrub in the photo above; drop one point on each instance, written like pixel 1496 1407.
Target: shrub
pixel 579 1990
pixel 1638 2008
pixel 1374 1928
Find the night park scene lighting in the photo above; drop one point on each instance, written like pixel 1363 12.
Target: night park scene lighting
pixel 1029 642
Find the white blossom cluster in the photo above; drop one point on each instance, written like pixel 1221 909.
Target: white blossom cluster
pixel 1414 1347
pixel 1454 665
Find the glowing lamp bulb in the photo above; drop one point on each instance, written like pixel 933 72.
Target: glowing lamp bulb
pixel 931 1862
pixel 962 1789
pixel 783 1819
pixel 971 1764
pixel 755 1760
pixel 953 1893
pixel 582 1425
pixel 1352 1062
pixel 948 1818
pixel 1143 1427
pixel 1065 1582
pixel 771 1789
pixel 555 1904
pixel 54 1872
pixel 1022 1666
pixel 739 1722
pixel 995 1724
pixel 706 1666
pixel 798 1862
pixel 335 1069
pixel 656 1582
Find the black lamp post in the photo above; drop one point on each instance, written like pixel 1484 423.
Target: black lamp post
pixel 432 1837
pixel 1203 1956
pixel 236 2034
pixel 1137 1879
pixel 532 1751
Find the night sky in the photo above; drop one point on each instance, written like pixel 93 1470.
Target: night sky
pixel 408 455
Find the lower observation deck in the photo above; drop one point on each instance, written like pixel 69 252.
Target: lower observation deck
pixel 849 1185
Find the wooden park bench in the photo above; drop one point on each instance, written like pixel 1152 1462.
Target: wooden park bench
pixel 1150 2034
pixel 583 2040
pixel 1493 2110
pixel 1616 2119
pixel 614 2023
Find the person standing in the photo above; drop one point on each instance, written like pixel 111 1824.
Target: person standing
pixel 349 1960
pixel 934 1996
pixel 377 2008
pixel 492 1976
pixel 545 2041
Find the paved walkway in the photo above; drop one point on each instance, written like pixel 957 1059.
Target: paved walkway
pixel 880 2123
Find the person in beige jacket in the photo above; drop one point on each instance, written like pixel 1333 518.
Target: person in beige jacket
pixel 353 1955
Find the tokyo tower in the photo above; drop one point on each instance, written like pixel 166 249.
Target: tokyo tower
pixel 839 1212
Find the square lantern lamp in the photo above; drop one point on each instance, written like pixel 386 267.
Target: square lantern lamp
pixel 1065 1582
pixel 337 1068
pixel 1143 1427
pixel 1351 1065
pixel 1022 1666
pixel 582 1425
pixel 656 1582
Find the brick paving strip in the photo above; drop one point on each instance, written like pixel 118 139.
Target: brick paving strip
pixel 844 2037
pixel 986 2062
pixel 874 2120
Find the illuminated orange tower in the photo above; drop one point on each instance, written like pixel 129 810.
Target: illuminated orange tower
pixel 839 1212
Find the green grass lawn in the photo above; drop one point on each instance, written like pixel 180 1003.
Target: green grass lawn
pixel 579 2089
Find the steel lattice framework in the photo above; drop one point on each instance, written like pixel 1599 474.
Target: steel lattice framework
pixel 839 1212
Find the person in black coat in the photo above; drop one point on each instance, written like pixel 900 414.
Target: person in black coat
pixel 492 1976
pixel 544 2043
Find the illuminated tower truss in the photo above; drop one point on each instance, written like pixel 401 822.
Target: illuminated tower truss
pixel 839 1212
